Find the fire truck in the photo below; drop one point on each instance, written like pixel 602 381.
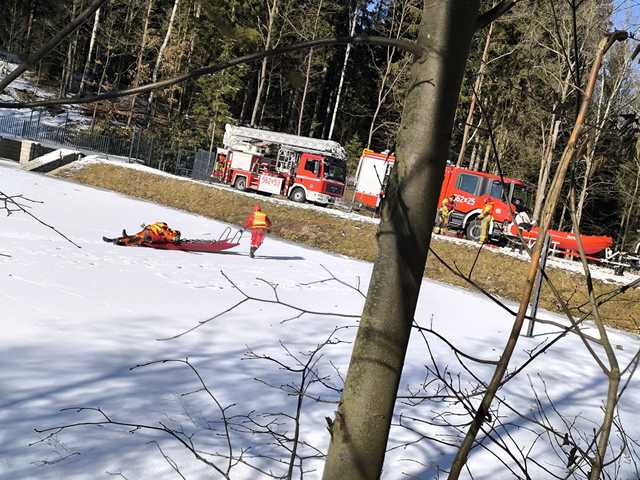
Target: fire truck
pixel 471 190
pixel 301 168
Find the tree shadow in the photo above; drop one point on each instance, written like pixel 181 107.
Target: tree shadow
pixel 275 257
pixel 40 380
pixel 576 390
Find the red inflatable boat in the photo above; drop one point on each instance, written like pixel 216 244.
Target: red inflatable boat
pixel 592 244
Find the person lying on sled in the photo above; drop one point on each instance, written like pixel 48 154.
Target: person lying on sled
pixel 158 232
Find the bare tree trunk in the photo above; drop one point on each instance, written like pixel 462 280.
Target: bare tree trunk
pixel 316 107
pixel 143 43
pixel 66 70
pixel 342 75
pixel 602 117
pixel 487 155
pixel 163 47
pixel 192 46
pixel 105 68
pixel 589 163
pixel 245 103
pixel 266 96
pixel 474 153
pixel 361 427
pixel 545 166
pixel 27 40
pixel 501 138
pixel 327 114
pixel 613 372
pixel 100 84
pixel 547 215
pixel 308 74
pixel 181 34
pixel 548 151
pixel 92 44
pixel 273 10
pixel 477 90
pixel 13 23
pixel 72 57
pixel 391 51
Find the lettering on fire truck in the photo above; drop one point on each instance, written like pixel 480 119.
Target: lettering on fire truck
pixel 463 199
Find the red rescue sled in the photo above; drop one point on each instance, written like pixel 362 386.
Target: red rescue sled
pixel 567 241
pixel 206 246
pixel 226 241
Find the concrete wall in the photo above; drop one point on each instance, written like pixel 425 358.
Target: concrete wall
pixel 22 151
pixel 10 149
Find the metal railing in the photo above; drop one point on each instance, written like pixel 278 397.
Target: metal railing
pixel 134 146
pixel 138 146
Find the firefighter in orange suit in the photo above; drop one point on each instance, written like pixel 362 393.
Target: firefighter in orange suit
pixel 158 232
pixel 486 217
pixel 259 223
pixel 444 212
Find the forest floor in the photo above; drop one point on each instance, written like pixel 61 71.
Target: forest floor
pixel 496 273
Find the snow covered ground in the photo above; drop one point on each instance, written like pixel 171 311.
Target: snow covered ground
pixel 76 319
pixel 599 272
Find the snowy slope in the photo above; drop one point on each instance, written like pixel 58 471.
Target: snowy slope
pixel 75 320
pixel 599 272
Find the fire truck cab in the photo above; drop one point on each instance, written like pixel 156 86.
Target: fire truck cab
pixel 470 188
pixel 300 168
pixel 471 191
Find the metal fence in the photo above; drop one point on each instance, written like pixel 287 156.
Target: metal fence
pixel 138 146
pixel 202 165
pixel 134 146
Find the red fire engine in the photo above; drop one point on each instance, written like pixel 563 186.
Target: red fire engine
pixel 300 168
pixel 471 190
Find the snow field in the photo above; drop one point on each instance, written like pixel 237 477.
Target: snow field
pixel 76 320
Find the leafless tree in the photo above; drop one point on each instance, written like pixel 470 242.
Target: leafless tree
pixel 345 62
pixel 394 68
pixel 92 44
pixel 163 47
pixel 272 8
pixel 477 88
pixel 143 46
pixel 51 44
pixel 548 211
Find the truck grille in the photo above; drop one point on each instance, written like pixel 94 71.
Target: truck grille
pixel 334 189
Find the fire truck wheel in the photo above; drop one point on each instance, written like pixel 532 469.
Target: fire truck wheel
pixel 472 231
pixel 298 195
pixel 240 184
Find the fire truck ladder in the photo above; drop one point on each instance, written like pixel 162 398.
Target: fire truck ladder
pixel 234 135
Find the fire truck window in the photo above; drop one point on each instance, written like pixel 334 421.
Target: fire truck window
pixel 496 190
pixel 334 169
pixel 468 183
pixel 313 166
